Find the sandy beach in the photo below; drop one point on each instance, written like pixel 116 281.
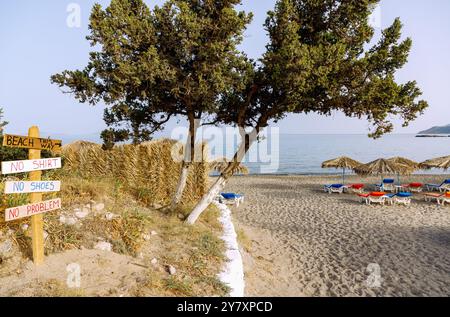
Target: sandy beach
pixel 305 242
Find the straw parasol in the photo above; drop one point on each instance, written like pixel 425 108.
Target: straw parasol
pixel 219 165
pixel 440 162
pixel 404 161
pixel 383 167
pixel 341 162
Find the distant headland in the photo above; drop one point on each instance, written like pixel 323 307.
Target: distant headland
pixel 435 132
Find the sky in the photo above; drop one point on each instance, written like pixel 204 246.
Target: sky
pixel 36 42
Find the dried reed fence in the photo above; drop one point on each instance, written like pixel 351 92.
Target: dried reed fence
pixel 147 169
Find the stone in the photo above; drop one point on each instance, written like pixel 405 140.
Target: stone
pixel 154 261
pixel 146 237
pixel 103 246
pixel 172 270
pixel 98 207
pixel 5 248
pixel 81 214
pixel 68 221
pixel 110 216
pixel 24 227
pixel 153 233
pixel 157 206
pixel 181 216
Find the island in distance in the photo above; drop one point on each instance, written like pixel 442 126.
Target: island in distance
pixel 435 132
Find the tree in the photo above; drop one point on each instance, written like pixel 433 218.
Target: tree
pixel 124 73
pixel 175 61
pixel 316 61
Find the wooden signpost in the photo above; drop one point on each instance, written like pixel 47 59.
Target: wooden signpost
pixel 35 165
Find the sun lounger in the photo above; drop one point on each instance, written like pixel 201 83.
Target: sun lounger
pixel 386 186
pixel 399 198
pixel 414 187
pixel 231 198
pixel 429 197
pixel 441 199
pixel 445 186
pixel 357 188
pixel 375 197
pixel 445 199
pixel 335 188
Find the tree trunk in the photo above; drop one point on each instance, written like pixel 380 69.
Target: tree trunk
pixel 220 183
pixel 189 155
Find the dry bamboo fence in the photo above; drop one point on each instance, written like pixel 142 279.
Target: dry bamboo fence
pixel 148 168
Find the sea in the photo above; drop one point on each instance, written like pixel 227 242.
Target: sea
pixel 297 154
pixel 303 154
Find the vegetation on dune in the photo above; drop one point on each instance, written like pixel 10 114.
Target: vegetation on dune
pixel 126 189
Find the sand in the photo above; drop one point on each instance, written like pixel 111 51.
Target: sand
pixel 309 243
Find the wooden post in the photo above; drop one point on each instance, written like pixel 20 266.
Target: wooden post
pixel 37 221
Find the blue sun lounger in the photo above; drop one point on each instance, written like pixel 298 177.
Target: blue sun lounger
pixel 399 198
pixel 235 199
pixel 335 188
pixel 386 186
pixel 445 186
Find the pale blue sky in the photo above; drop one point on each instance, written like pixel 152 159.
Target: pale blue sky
pixel 35 43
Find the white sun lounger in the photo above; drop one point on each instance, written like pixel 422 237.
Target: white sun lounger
pixel 334 189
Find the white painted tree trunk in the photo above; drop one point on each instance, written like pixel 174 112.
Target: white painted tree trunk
pixel 222 180
pixel 189 157
pixel 181 186
pixel 206 200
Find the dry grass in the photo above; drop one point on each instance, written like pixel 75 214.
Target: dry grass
pixel 195 251
pixel 128 187
pixel 50 288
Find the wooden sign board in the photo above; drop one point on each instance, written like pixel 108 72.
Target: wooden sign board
pixel 32 209
pixel 32 187
pixel 30 165
pixel 26 142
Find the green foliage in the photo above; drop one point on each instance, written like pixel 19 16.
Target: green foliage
pixel 317 61
pixel 176 60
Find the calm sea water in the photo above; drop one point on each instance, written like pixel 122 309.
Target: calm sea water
pixel 304 154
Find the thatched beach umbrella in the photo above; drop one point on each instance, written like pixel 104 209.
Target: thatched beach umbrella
pixel 404 161
pixel 440 162
pixel 343 162
pixel 221 164
pixel 383 167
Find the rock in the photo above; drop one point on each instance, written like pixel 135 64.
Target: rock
pixel 24 227
pixel 98 207
pixel 103 246
pixel 154 261
pixel 181 216
pixel 172 270
pixel 157 206
pixel 81 214
pixel 68 221
pixel 153 233
pixel 110 216
pixel 5 248
pixel 146 237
